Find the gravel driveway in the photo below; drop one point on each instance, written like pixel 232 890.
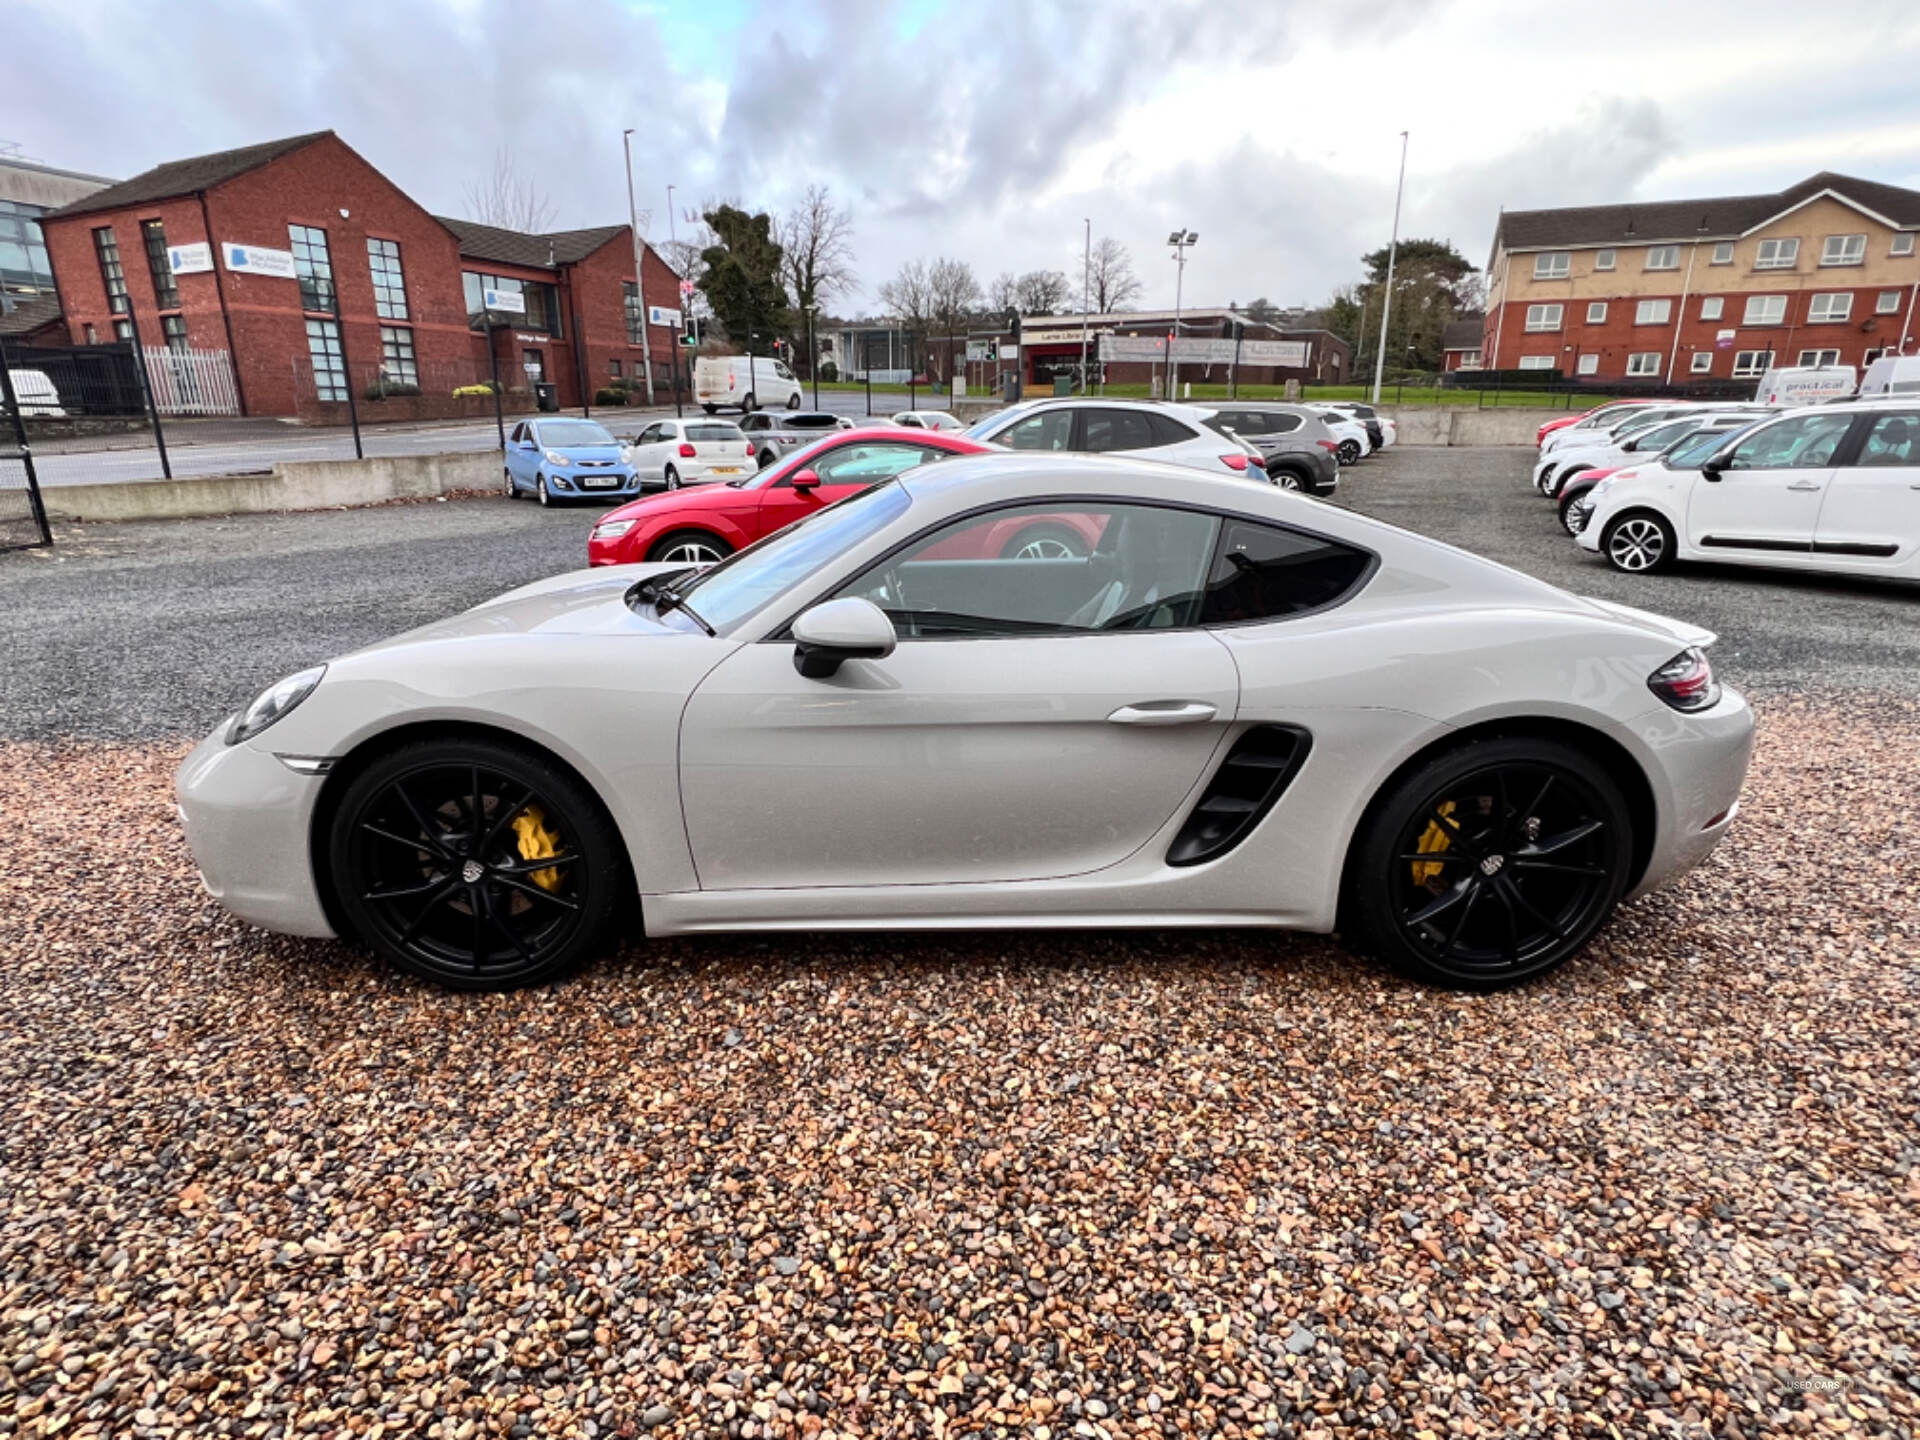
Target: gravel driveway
pixel 1086 1185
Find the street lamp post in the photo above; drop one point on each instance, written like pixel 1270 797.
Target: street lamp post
pixel 1386 293
pixel 1086 303
pixel 639 291
pixel 686 308
pixel 1179 240
pixel 813 357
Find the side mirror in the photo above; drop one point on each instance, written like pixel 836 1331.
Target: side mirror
pixel 1712 471
pixel 840 630
pixel 806 480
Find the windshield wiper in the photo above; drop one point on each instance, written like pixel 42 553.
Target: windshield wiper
pixel 659 592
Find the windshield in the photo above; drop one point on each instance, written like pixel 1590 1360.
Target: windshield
pixel 573 432
pixel 712 430
pixel 1689 452
pixel 989 423
pixel 797 461
pixel 750 578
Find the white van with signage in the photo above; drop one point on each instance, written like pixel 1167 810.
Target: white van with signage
pixel 735 382
pixel 1891 375
pixel 1806 384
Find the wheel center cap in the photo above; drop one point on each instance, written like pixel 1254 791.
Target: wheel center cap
pixel 473 870
pixel 1491 865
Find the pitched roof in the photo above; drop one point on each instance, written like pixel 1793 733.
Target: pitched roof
pixel 23 317
pixel 539 252
pixel 1466 333
pixel 1721 217
pixel 184 177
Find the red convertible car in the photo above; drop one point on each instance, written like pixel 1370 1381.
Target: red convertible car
pixel 704 523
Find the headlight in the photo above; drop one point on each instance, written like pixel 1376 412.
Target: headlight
pixel 611 529
pixel 626 454
pixel 273 703
pixel 554 457
pixel 1600 488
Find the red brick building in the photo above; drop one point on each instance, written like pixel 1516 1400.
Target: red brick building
pixel 316 273
pixel 1826 271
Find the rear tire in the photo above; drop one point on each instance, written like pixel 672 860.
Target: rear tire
pixel 1638 543
pixel 689 547
pixel 768 458
pixel 1530 845
pixel 710 409
pixel 750 404
pixel 1349 452
pixel 793 402
pixel 1288 479
pixel 673 478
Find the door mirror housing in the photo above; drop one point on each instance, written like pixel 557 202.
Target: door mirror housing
pixel 1711 470
pixel 806 480
pixel 828 635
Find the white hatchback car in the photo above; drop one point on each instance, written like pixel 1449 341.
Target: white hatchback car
pixel 1836 489
pixel 671 453
pixel 1178 434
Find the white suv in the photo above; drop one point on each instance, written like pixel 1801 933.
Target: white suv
pixel 1175 433
pixel 1835 488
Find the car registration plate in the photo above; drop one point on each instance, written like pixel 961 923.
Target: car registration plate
pixel 723 470
pixel 600 482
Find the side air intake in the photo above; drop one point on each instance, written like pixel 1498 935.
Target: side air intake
pixel 1256 772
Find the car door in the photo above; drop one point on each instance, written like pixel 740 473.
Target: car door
pixel 1049 430
pixel 1761 499
pixel 523 454
pixel 1039 717
pixel 649 456
pixel 844 470
pixel 1870 518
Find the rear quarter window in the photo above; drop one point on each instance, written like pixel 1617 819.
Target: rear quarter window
pixel 1264 572
pixel 1169 431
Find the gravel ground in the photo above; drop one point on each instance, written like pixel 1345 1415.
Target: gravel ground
pixel 1084 1185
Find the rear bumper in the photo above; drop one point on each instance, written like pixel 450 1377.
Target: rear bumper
pixel 248 820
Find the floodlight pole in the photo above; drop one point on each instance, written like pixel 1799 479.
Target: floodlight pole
pixel 1086 304
pixel 1386 294
pixel 1180 240
pixel 639 293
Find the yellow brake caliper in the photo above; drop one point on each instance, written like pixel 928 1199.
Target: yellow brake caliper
pixel 537 842
pixel 1434 841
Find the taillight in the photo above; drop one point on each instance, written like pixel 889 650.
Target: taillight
pixel 1332 447
pixel 1235 461
pixel 686 450
pixel 1686 682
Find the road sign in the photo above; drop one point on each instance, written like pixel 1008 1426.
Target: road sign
pixel 686 289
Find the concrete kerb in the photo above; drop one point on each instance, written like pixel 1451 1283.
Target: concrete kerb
pixel 291 485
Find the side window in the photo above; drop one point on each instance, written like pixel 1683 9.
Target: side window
pixel 1893 440
pixel 1242 422
pixel 648 435
pixel 1262 572
pixel 1282 424
pixel 1049 430
pixel 1797 444
pixel 1064 568
pixel 1109 430
pixel 519 434
pixel 870 464
pixel 1169 431
pixel 668 430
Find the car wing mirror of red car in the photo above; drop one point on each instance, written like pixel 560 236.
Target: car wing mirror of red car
pixel 806 480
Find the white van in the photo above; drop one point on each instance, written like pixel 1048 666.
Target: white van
pixel 1891 375
pixel 36 393
pixel 1806 384
pixel 726 381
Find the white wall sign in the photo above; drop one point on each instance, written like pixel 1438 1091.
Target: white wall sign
pixel 190 259
pixel 661 315
pixel 1289 353
pixel 1196 350
pixel 526 339
pixel 1133 347
pixel 258 260
pixel 513 300
pixel 1060 336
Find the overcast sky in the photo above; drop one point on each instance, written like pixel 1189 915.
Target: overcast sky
pixel 988 131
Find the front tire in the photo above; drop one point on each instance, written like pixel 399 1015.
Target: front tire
pixel 476 864
pixel 1045 542
pixel 540 490
pixel 513 491
pixel 1491 863
pixel 1639 543
pixel 689 547
pixel 768 458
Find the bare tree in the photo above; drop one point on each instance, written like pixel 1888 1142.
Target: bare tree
pixel 1003 295
pixel 1042 292
pixel 908 297
pixel 816 241
pixel 509 200
pixel 1111 280
pixel 955 296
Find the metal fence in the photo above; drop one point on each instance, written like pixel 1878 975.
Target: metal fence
pixel 23 518
pixel 1543 389
pixel 191 382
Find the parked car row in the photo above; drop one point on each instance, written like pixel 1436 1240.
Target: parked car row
pixel 1831 488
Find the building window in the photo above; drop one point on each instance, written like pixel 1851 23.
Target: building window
pixel 123 331
pixel 1887 303
pixel 1902 243
pixel 1830 308
pixel 1819 357
pixel 613 368
pixel 1588 365
pixel 1843 250
pixel 108 249
pixel 636 318
pixel 1776 255
pixel 1603 260
pixel 534 362
pixel 1542 317
pixel 1536 362
pixel 540 302
pixel 1749 363
pixel 314 267
pixel 396 356
pixel 166 294
pixel 1723 253
pixel 1644 362
pixel 1765 310
pixel 1663 257
pixel 329 369
pixel 24 266
pixel 389 284
pixel 173 329
pixel 1597 312
pixel 1702 362
pixel 93 335
pixel 1554 265
pixel 1653 312
pixel 1712 307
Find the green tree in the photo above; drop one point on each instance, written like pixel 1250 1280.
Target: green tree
pixel 741 275
pixel 1433 283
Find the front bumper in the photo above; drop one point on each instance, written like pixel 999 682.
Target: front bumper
pixel 1698 764
pixel 586 483
pixel 249 819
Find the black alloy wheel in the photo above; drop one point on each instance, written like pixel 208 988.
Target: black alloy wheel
pixel 475 864
pixel 1493 863
pixel 1349 452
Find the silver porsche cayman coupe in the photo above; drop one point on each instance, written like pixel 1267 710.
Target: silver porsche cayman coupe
pixel 998 691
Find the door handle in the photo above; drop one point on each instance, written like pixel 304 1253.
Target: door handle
pixel 1164 712
pixel 1804 485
